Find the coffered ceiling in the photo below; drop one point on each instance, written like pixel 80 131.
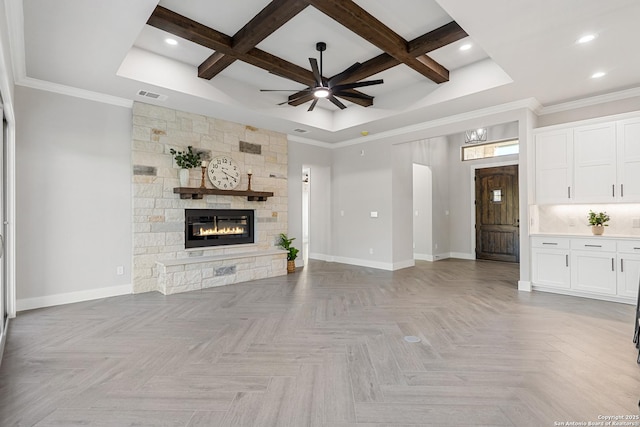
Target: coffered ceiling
pixel 226 52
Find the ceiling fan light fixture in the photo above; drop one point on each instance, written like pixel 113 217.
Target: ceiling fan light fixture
pixel 321 92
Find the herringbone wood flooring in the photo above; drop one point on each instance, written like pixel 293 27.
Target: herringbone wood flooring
pixel 324 347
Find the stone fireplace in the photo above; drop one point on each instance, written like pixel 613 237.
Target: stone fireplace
pixel 161 261
pixel 217 227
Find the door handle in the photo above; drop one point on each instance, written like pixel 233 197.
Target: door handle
pixel 621 265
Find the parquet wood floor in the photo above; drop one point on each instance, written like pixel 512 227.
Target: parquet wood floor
pixel 324 347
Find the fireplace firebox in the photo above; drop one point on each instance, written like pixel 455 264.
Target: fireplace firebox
pixel 217 227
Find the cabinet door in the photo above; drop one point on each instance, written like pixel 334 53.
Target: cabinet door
pixel 628 134
pixel 628 275
pixel 551 268
pixel 593 272
pixel 594 150
pixel 553 168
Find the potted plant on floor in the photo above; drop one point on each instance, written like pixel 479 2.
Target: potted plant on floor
pixel 292 253
pixel 598 222
pixel 186 160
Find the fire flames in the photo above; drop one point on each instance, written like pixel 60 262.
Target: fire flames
pixel 220 231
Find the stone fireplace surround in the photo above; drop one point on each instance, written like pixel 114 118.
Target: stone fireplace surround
pixel 160 261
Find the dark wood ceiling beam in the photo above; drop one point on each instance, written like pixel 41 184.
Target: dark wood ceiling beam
pixel 214 64
pixel 278 66
pixel 268 20
pixel 358 20
pixel 426 43
pixel 440 37
pixel 188 29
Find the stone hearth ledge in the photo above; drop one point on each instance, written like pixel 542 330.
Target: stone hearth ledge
pixel 196 273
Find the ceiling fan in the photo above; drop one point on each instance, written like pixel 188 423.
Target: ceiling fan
pixel 329 88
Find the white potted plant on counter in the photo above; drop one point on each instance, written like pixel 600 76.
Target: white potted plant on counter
pixel 186 160
pixel 598 222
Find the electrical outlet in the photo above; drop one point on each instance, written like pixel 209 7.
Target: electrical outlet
pixel 374 214
pixel 370 251
pixel 572 221
pixel 636 223
pixel 120 270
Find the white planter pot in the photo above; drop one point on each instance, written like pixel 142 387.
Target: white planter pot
pixel 184 177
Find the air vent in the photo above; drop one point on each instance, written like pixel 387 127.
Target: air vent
pixel 152 95
pixel 298 130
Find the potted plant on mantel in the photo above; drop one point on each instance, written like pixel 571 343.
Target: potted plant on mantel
pixel 292 253
pixel 598 222
pixel 186 160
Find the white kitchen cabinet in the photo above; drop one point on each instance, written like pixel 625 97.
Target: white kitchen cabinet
pixel 593 272
pixel 551 262
pixel 595 163
pixel 596 267
pixel 554 166
pixel 628 268
pixel 628 143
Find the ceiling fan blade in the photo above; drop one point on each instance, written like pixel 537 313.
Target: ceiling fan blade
pixel 293 99
pixel 337 103
pixel 285 90
pixel 344 75
pixel 357 84
pixel 313 104
pixel 352 94
pixel 316 71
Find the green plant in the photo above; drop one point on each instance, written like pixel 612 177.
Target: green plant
pixel 598 219
pixel 186 159
pixel 285 243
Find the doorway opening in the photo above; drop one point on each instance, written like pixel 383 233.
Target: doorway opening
pixel 306 189
pixel 497 215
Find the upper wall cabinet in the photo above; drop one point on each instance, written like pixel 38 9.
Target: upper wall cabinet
pixel 628 134
pixel 597 163
pixel 554 167
pixel 594 162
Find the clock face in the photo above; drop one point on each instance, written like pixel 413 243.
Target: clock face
pixel 224 173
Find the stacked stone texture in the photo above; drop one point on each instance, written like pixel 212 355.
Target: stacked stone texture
pixel 158 213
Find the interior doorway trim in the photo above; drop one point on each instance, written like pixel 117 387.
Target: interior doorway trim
pixel 472 206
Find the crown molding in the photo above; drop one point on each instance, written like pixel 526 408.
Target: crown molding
pixel 588 102
pixel 531 104
pixel 309 141
pixel 75 92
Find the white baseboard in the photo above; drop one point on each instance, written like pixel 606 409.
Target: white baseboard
pixel 3 339
pixel 321 257
pixel 364 263
pixel 524 285
pixel 404 264
pixel 71 297
pixel 462 255
pixel 423 257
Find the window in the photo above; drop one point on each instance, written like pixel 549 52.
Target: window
pixel 491 149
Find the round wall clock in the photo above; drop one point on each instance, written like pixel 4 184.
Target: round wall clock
pixel 224 173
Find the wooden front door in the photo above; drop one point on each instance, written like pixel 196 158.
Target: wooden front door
pixel 497 214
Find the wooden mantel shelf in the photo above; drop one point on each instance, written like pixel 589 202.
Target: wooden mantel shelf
pixel 198 193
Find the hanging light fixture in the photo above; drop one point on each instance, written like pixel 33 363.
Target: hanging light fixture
pixel 475 135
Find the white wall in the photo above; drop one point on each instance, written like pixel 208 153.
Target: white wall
pixel 433 152
pixel 318 161
pixel 73 198
pixel 362 182
pixel 422 211
pixel 402 202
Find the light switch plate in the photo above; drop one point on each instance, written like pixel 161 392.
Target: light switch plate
pixel 374 214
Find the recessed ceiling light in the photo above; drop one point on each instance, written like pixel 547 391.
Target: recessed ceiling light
pixel 586 38
pixel 598 75
pixel 465 46
pixel 171 42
